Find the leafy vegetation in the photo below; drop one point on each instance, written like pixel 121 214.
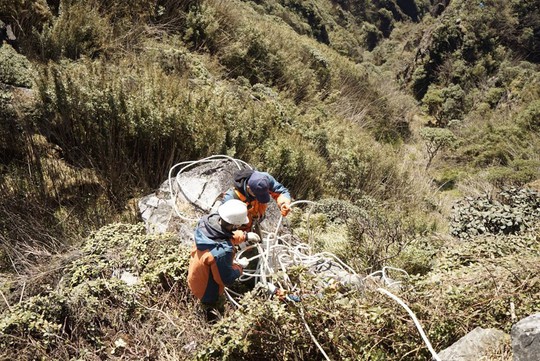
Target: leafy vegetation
pixel 388 112
pixel 511 211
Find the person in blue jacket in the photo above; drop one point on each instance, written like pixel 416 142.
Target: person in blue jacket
pixel 255 189
pixel 212 265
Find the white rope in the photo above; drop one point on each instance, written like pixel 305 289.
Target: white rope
pixel 312 336
pixel 300 254
pixel 416 322
pixel 187 165
pixel 275 253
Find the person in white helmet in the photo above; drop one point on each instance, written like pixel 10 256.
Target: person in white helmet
pixel 212 265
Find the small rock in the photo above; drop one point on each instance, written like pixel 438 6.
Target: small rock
pixel 526 339
pixel 474 344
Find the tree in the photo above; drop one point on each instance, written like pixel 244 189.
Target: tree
pixel 436 139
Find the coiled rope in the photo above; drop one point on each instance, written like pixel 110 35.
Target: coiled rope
pixel 275 254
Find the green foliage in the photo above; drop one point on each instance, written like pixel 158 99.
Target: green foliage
pixel 385 20
pixel 378 237
pixel 15 69
pixel 297 167
pixel 313 18
pixel 448 178
pixel 354 164
pixel 511 212
pixel 499 144
pixel 201 27
pixel 255 59
pixel 529 118
pixel 340 211
pixel 526 39
pixel 138 98
pixel 140 255
pixel 79 30
pixel 88 111
pixel 372 35
pixel 445 104
pixel 27 16
pixel 470 275
pixel 481 36
pixel 39 318
pixel 517 173
pixel 346 324
pixel 168 267
pixel 91 305
pixel 436 139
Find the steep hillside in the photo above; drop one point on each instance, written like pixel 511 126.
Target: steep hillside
pixel 388 112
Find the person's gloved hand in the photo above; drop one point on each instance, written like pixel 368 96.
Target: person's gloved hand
pixel 253 237
pixel 242 262
pixel 285 208
pixel 293 298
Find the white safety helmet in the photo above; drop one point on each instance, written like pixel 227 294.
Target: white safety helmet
pixel 234 212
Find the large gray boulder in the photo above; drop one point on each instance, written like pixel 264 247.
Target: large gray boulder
pixel 475 344
pixel 188 195
pixel 526 339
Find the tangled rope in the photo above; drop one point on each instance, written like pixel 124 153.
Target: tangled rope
pixel 276 254
pixel 188 165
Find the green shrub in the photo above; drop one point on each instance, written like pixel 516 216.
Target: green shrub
pixel 473 284
pixel 378 237
pixel 254 59
pixel 511 212
pixel 39 318
pixel 346 325
pixel 494 95
pixel 496 144
pixel 79 30
pixel 529 118
pixel 372 35
pixel 90 305
pixel 445 104
pixel 360 166
pixel 447 179
pixel 517 173
pixel 296 167
pixel 87 111
pixel 436 140
pixel 201 28
pixel 26 17
pixel 15 69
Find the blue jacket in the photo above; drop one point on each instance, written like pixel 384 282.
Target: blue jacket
pixel 211 265
pixel 256 210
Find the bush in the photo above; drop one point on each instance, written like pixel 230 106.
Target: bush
pixel 445 104
pixel 517 173
pixel 529 118
pixel 512 211
pixel 90 308
pixel 346 325
pixel 15 69
pixel 436 140
pixel 466 286
pixel 201 28
pixel 79 30
pixel 29 18
pixel 85 112
pixel 254 59
pixel 378 237
pixel 296 167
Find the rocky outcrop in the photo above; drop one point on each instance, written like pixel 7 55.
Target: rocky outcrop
pixel 526 339
pixel 180 201
pixel 474 345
